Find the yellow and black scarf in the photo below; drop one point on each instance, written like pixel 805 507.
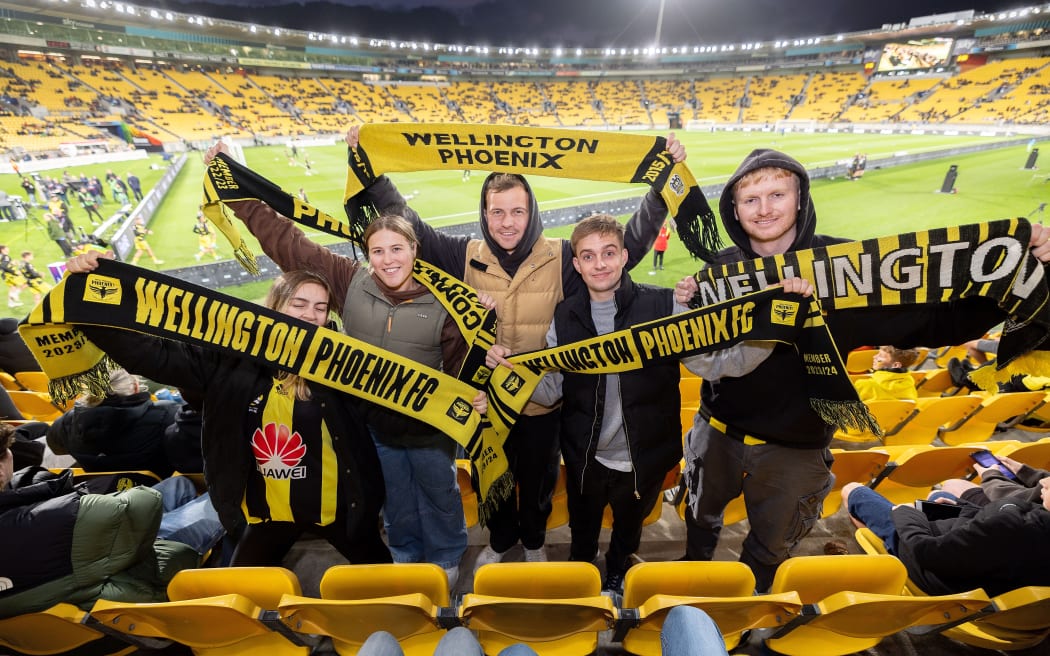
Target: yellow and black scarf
pixel 577 154
pixel 990 260
pixel 127 297
pixel 831 394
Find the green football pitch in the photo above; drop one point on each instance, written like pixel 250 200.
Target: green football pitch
pixel 991 185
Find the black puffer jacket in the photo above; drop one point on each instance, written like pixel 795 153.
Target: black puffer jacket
pixel 120 434
pixel 650 397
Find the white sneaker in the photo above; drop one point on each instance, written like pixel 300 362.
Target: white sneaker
pixel 536 555
pixel 487 556
pixel 453 577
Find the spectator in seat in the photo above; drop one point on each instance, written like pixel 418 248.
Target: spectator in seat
pixel 889 378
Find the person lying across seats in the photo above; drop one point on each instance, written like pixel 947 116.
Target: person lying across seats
pixel 999 547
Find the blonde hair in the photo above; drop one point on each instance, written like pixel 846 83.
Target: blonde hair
pixel 121 383
pixel 280 293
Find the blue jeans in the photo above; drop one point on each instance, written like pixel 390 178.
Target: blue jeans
pixel 689 631
pixel 423 511
pixel 188 518
pixel 460 641
pixel 876 512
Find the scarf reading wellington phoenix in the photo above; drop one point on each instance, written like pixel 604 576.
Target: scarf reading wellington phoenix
pixel 127 297
pixel 834 398
pixel 990 260
pixel 578 154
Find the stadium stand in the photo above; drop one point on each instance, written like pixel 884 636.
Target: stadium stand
pixel 49 101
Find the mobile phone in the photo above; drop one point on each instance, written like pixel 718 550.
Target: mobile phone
pixel 934 510
pixel 986 458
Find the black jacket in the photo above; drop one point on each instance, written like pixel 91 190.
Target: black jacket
pixel 650 398
pixel 122 433
pixel 229 384
pixel 771 401
pixel 999 547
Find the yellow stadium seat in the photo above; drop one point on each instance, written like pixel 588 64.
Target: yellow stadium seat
pixel 688 414
pixel 556 608
pixel 724 590
pixel 913 470
pixel 690 389
pixel 934 412
pixel 8 382
pixel 356 600
pixel 466 492
pixel 937 382
pixel 852 467
pixel 215 612
pixel 34 381
pixel 1033 454
pixel 855 601
pixel 35 405
pixel 52 631
pixel 942 355
pixel 891 415
pixel 735 511
pixel 1019 619
pixel 998 409
pixel 860 361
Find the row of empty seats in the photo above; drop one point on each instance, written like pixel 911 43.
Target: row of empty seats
pixel 818 605
pixel 197 104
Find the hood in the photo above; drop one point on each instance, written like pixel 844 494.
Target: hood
pixel 806 223
pixel 511 261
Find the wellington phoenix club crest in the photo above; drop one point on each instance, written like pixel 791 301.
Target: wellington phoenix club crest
pixel 278 452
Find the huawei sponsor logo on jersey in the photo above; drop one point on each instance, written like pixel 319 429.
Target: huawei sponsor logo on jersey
pixel 278 452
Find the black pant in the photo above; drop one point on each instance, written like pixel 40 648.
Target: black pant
pixel 66 248
pixel 533 453
pixel 267 544
pixel 617 489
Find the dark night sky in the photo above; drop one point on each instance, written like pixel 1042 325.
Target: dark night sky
pixel 569 23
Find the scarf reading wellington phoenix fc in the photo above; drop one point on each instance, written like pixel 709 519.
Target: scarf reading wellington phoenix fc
pixel 554 152
pixel 990 260
pixel 129 298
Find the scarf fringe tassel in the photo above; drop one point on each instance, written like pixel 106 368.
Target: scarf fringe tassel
pixel 700 237
pixel 499 493
pixel 360 215
pixel 847 415
pixel 94 381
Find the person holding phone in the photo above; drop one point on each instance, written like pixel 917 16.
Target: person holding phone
pixel 999 547
pixel 1001 477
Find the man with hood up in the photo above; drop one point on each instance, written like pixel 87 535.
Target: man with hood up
pixel 528 275
pixel 758 434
